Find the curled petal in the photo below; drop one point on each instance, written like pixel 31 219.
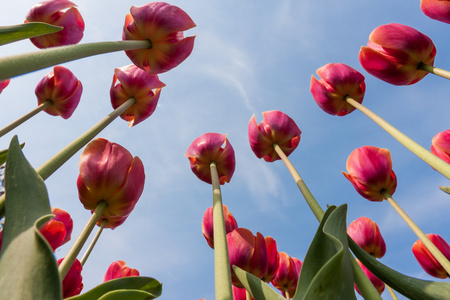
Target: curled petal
pixel 366 234
pixel 436 9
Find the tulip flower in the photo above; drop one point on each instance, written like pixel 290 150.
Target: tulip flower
pixel 288 272
pixel 109 172
pixel 377 283
pixel 440 145
pixel 436 9
pixel 62 89
pixel 163 25
pixel 427 261
pixel 211 147
pixel 58 230
pixel 272 259
pixel 276 128
pixel 370 171
pixel 248 252
pixel 119 269
pixel 366 234
pixel 73 282
pixel 133 82
pixel 395 53
pixel 207 224
pixel 337 82
pixel 52 12
pixel 4 84
pixel 239 293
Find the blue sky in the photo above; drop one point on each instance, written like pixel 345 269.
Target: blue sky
pixel 249 57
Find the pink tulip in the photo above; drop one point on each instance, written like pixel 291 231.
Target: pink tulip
pixel 272 259
pixel 208 228
pixel 395 51
pixel 133 82
pixel 427 260
pixel 4 84
pixel 239 293
pixel 377 283
pixel 440 145
pixel 119 269
pixel 337 81
pixel 288 272
pixel 277 127
pixel 64 217
pixel 436 9
pixel 370 171
pixel 58 230
pixel 366 234
pixel 73 282
pixel 109 172
pixel 62 88
pixel 163 25
pixel 52 12
pixel 211 147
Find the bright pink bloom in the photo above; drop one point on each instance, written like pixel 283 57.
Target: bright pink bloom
pixel 208 225
pixel 211 147
pixel 239 293
pixel 133 82
pixel 248 252
pixel 4 84
pixel 288 272
pixel 436 9
pixel 377 283
pixel 277 127
pixel 370 171
pixel 337 81
pixel 119 269
pixel 58 230
pixel 394 52
pixel 62 88
pixel 163 25
pixel 427 260
pixel 366 234
pixel 272 259
pixel 52 12
pixel 109 172
pixel 440 145
pixel 73 282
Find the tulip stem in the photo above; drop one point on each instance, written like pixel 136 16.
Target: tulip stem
pixel 434 70
pixel 25 117
pixel 222 274
pixel 94 241
pixel 391 291
pixel 428 157
pixel 53 164
pixel 81 240
pixel 286 292
pixel 425 240
pixel 247 295
pixel 27 62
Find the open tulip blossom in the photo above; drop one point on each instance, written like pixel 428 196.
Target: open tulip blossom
pixel 366 234
pixel 208 226
pixel 427 261
pixel 436 9
pixel 440 145
pixel 119 269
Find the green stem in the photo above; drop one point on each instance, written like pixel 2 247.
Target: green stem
pixel 222 274
pixel 434 70
pixel 428 157
pixel 425 240
pixel 391 291
pixel 25 117
pixel 81 240
pixel 27 62
pixel 94 241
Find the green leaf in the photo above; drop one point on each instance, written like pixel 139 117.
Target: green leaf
pixel 14 33
pixel 3 154
pixel 255 286
pixel 141 287
pixel 28 269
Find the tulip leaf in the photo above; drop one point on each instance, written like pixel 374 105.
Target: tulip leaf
pixel 28 269
pixel 4 152
pixel 255 286
pixel 14 33
pixel 135 287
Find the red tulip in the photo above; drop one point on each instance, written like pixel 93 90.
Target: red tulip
pixel 337 81
pixel 366 234
pixel 277 127
pixel 4 84
pixel 440 145
pixel 208 148
pixel 395 51
pixel 377 283
pixel 131 81
pixel 163 25
pixel 208 228
pixel 272 259
pixel 52 12
pixel 119 269
pixel 436 9
pixel 63 89
pixel 287 275
pixel 370 171
pixel 58 230
pixel 109 172
pixel 427 260
pixel 73 282
pixel 248 252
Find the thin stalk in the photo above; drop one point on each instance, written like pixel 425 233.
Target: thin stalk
pixel 93 242
pixel 286 292
pixel 25 117
pixel 81 240
pixel 27 62
pixel 247 295
pixel 434 70
pixel 222 274
pixel 425 240
pixel 391 291
pixel 428 157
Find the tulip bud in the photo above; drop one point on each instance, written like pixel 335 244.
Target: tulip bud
pixel 366 234
pixel 208 227
pixel 436 9
pixel 427 260
pixel 377 283
pixel 73 282
pixel 119 269
pixel 440 145
pixel 288 272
